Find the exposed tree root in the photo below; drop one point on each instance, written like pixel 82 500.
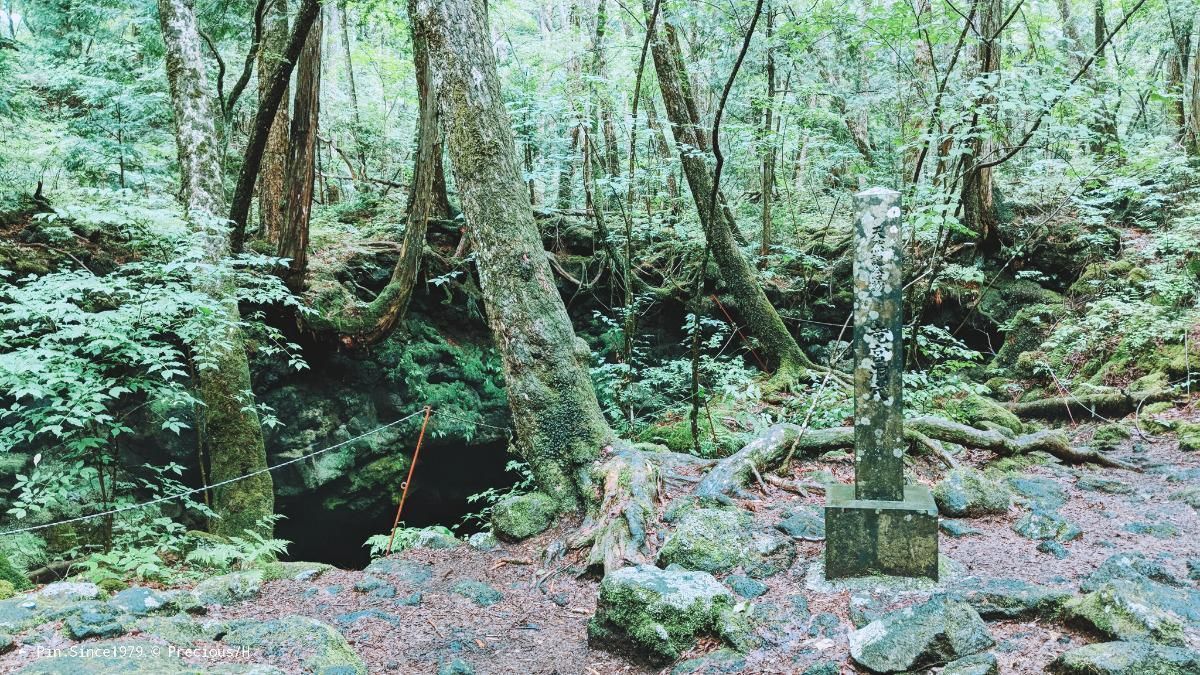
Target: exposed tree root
pixel 1101 406
pixel 783 441
pixel 616 529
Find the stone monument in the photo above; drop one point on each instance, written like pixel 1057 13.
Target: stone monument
pixel 879 525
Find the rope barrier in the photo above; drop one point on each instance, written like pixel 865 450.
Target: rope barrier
pixel 167 498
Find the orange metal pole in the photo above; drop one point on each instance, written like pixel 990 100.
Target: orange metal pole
pixel 404 490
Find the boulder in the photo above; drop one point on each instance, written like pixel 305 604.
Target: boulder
pixel 1100 484
pixel 1046 525
pixel 181 631
pixel 718 540
pixel 1188 434
pixel 956 528
pixel 656 614
pixel 93 619
pixel 126 657
pixel 140 601
pixel 745 586
pixel 1126 658
pixel 1109 436
pixel 969 492
pixel 317 646
pixel 979 664
pixel 229 589
pixel 70 590
pixel 934 632
pixel 1132 566
pixel 1045 493
pixel 1011 598
pixel 478 592
pixel 483 541
pixel 518 517
pixel 807 523
pixel 1121 610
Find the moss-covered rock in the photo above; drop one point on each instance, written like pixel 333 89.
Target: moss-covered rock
pixel 1042 525
pixel 294 570
pixel 980 411
pixel 1188 434
pixel 140 601
pixel 969 492
pixel 1008 599
pixel 1044 493
pixel 478 592
pixel 10 574
pixel 229 589
pixel 934 632
pixel 718 540
pixel 656 614
pixel 521 516
pixel 127 657
pixel 979 664
pixel 1120 610
pixel 1109 436
pixel 317 646
pixel 1126 658
pixel 93 619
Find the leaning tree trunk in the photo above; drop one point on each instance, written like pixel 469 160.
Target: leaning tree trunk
pixel 427 198
pixel 232 434
pixel 274 165
pixel 559 425
pixel 764 322
pixel 302 155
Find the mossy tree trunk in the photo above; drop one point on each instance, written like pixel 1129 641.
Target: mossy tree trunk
pixel 274 165
pixel 756 309
pixel 302 159
pixel 560 428
pixel 427 198
pixel 977 196
pixel 230 427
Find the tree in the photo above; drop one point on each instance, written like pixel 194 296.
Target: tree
pixel 427 197
pixel 978 191
pixel 560 428
pixel 229 422
pixel 301 160
pixel 271 187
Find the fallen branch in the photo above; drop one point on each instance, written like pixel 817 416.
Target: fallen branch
pixel 1102 406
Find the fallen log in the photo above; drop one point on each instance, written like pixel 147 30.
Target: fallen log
pixel 1101 406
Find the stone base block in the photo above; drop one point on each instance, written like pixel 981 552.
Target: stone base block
pixel 864 537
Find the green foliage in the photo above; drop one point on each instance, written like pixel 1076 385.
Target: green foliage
pixel 490 496
pixel 405 538
pixel 240 552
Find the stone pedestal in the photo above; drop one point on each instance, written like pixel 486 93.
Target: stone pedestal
pixel 871 536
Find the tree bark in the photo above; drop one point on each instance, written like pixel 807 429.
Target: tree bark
pixel 559 426
pixel 428 194
pixel 231 433
pixel 277 83
pixel 978 203
pixel 756 310
pixel 302 156
pixel 274 165
pixel 768 141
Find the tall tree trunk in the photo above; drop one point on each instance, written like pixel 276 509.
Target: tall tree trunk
pixel 1193 136
pixel 277 82
pixel 756 310
pixel 231 431
pixel 274 165
pixel 977 196
pixel 434 203
pixel 559 425
pixel 768 143
pixel 1105 125
pixel 302 158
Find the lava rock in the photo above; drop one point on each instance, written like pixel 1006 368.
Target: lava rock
pixel 969 492
pixel 937 631
pixel 745 586
pixel 807 523
pixel 1011 598
pixel 406 571
pixel 1126 658
pixel 656 614
pixel 521 516
pixel 478 592
pixel 318 646
pixel 1121 610
pixel 979 664
pixel 1041 525
pixel 229 589
pixel 140 601
pixel 1045 493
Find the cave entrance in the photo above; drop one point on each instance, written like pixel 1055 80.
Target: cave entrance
pixel 445 476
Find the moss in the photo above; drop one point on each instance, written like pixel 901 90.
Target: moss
pixel 677 436
pixel 968 492
pixel 1110 435
pixel 1118 610
pixel 112 585
pixel 521 516
pixel 710 540
pixel 976 410
pixel 1189 436
pixel 317 646
pixel 7 590
pixel 10 574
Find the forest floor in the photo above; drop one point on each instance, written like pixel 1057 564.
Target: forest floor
pixel 524 616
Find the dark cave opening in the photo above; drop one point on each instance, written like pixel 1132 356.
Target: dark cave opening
pixel 445 476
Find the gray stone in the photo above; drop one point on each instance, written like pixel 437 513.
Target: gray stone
pixel 483 541
pixel 1133 566
pixel 1044 493
pixel 430 538
pixel 229 589
pixel 979 664
pixel 92 619
pixel 956 528
pixel 124 657
pixel 70 590
pixel 1011 598
pixel 317 646
pixel 406 571
pixel 1126 658
pixel 140 601
pixel 968 492
pixel 807 523
pixel 1099 484
pixel 745 586
pixel 656 614
pixel 518 517
pixel 478 592
pixel 1041 525
pixel 931 633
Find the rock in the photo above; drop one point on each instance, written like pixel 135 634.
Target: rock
pixel 968 492
pixel 1011 598
pixel 657 614
pixel 124 657
pixel 1156 530
pixel 931 633
pixel 180 631
pixel 1121 611
pixel 140 601
pixel 21 612
pixel 823 668
pixel 92 619
pixel 410 600
pixel 376 587
pixel 1132 566
pixel 7 643
pixel 431 538
pixel 229 589
pixel 317 646
pixel 478 592
pixel 1054 548
pixel 1193 567
pixel 456 667
pixel 1041 525
pixel 865 608
pixel 406 571
pixel 354 617
pixel 719 540
pixel 956 528
pixel 1189 496
pixel 1126 658
pixel 521 516
pixel 297 571
pixel 745 586
pixel 483 541
pixel 1045 493
pixel 70 590
pixel 1188 434
pixel 1109 436
pixel 808 523
pixel 978 410
pixel 717 663
pixel 980 664
pixel 1098 484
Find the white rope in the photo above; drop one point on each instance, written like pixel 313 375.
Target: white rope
pixel 168 498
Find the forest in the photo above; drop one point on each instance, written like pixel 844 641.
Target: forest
pixel 600 336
